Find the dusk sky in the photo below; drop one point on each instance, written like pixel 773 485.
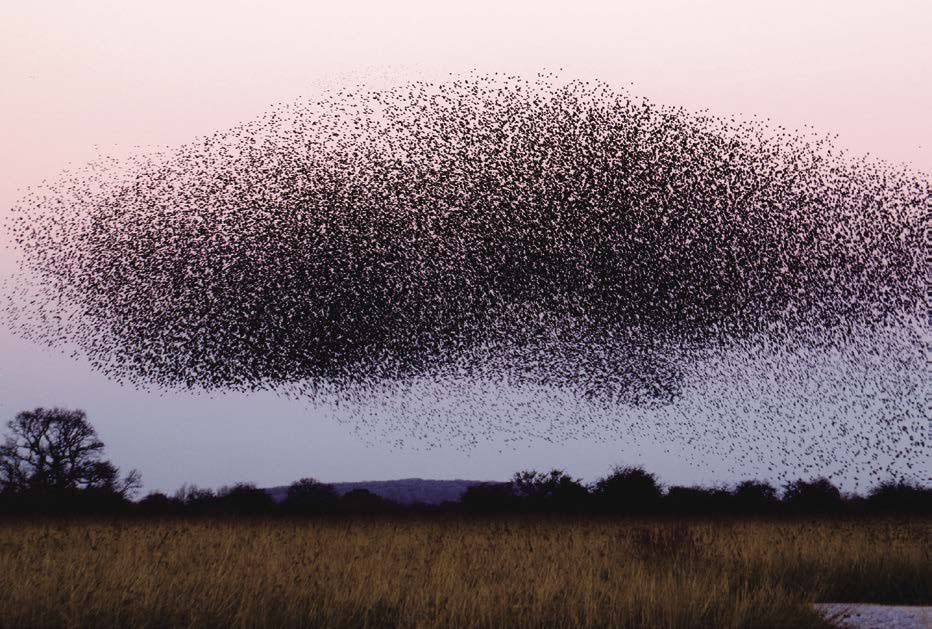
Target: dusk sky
pixel 84 79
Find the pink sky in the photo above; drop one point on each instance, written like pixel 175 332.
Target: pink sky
pixel 117 74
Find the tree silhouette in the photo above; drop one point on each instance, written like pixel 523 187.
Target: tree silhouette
pixel 628 490
pixel 489 498
pixel 900 497
pixel 195 500
pixel 56 452
pixel 816 496
pixel 549 491
pixel 244 499
pixel 755 497
pixel 363 501
pixel 310 496
pixel 697 500
pixel 158 504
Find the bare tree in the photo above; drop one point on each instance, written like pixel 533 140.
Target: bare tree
pixel 56 450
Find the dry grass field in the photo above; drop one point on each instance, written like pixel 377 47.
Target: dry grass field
pixel 454 572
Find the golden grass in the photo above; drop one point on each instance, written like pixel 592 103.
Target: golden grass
pixel 453 572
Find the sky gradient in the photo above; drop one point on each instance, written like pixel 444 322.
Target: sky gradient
pixel 82 79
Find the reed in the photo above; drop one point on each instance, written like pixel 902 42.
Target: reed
pixel 450 572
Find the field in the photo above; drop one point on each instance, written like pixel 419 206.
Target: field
pixel 454 572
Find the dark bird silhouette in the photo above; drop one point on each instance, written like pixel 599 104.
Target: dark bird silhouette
pixel 599 253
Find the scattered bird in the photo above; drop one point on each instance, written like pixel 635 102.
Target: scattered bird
pixel 425 249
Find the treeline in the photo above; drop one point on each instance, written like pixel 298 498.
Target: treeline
pixel 629 491
pixel 51 463
pixel 625 491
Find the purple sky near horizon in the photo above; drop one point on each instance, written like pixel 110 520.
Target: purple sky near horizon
pixel 84 79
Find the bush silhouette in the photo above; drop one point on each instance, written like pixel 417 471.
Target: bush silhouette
pixel 196 501
pixel 551 491
pixel 490 498
pixel 899 497
pixel 697 501
pixel 309 496
pixel 363 501
pixel 817 496
pixel 755 497
pixel 158 504
pixel 245 499
pixel 628 490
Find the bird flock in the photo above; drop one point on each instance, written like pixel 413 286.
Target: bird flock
pixel 579 259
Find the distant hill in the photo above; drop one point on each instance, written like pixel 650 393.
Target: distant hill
pixel 405 491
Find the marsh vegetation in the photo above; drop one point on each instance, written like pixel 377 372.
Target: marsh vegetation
pixel 454 571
